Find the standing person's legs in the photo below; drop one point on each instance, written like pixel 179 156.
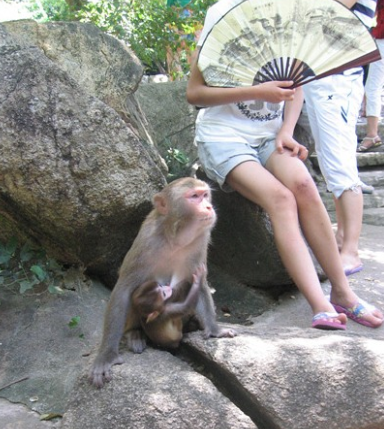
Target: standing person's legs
pixel 333 106
pixel 373 91
pixel 349 211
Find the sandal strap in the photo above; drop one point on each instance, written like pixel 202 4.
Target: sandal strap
pixel 372 139
pixel 368 143
pixel 325 315
pixel 360 308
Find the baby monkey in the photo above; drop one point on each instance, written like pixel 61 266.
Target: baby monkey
pixel 162 320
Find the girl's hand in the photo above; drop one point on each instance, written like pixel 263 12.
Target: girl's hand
pixel 285 141
pixel 274 91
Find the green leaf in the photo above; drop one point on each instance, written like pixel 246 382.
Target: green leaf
pixel 39 272
pixel 55 290
pixel 4 258
pixel 26 285
pixel 74 322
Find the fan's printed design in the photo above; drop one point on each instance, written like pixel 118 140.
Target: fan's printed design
pixel 259 110
pixel 299 40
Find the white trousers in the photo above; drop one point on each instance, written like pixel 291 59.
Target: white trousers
pixel 374 84
pixel 333 105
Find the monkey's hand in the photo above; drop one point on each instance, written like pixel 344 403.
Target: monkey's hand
pixel 136 340
pixel 219 333
pixel 101 369
pixel 199 274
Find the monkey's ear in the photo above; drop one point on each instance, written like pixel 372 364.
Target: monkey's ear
pixel 152 316
pixel 160 204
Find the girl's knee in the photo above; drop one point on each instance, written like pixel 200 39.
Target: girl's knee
pixel 304 185
pixel 283 201
pixel 307 191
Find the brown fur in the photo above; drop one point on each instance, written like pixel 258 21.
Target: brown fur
pixel 170 247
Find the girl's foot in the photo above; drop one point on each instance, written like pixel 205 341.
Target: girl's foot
pixel 329 321
pixel 361 312
pixel 369 143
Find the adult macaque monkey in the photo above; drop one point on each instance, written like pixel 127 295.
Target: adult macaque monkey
pixel 170 247
pixel 162 320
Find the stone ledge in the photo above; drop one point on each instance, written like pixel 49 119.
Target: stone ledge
pixel 370 159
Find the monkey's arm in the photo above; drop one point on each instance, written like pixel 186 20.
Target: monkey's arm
pixel 114 324
pixel 179 309
pixel 206 314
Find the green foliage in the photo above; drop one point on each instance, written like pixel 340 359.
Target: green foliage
pixel 50 10
pixel 74 322
pixel 109 15
pixel 149 26
pixel 27 267
pixel 177 162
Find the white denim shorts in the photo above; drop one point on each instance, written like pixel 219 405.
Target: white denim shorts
pixel 219 158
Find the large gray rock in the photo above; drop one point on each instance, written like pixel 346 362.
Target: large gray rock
pixel 153 390
pixel 171 120
pixel 72 172
pixel 102 65
pixel 99 63
pixel 298 378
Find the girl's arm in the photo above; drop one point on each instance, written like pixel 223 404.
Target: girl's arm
pixel 199 94
pixel 292 110
pixel 348 3
pixel 284 138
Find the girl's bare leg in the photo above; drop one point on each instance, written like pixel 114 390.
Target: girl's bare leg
pixel 317 228
pixel 259 186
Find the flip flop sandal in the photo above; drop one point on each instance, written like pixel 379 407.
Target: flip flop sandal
pixel 374 142
pixel 357 312
pixel 323 321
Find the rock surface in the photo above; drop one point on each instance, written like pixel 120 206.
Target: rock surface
pixel 279 372
pixel 153 390
pixel 74 177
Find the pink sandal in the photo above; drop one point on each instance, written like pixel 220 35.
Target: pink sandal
pixel 324 321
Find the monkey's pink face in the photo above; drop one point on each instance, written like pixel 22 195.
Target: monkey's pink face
pixel 199 200
pixel 166 292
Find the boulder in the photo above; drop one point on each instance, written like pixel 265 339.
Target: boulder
pixel 73 174
pixel 153 390
pixel 171 120
pixel 297 378
pixel 102 65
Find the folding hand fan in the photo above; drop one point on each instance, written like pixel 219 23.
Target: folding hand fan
pixel 299 40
